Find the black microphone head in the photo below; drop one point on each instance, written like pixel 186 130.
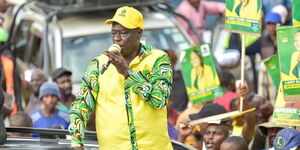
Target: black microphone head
pixel 114 47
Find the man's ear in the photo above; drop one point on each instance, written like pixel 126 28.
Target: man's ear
pixel 140 33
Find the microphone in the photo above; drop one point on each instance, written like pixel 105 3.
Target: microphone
pixel 114 47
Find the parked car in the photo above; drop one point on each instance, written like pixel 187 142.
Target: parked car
pixel 47 35
pixel 57 139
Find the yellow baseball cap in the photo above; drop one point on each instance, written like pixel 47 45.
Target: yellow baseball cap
pixel 128 17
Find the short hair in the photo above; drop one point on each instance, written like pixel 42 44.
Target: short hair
pixel 20 119
pixel 238 141
pixel 226 77
pixel 40 72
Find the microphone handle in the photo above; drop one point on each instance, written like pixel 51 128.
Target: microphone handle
pixel 105 66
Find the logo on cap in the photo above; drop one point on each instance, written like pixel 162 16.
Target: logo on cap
pixel 123 12
pixel 280 142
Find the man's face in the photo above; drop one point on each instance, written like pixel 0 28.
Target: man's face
pixel 64 84
pixel 127 39
pixel 194 3
pixel 297 41
pixel 271 134
pixel 214 136
pixel 49 101
pixel 36 81
pixel 271 27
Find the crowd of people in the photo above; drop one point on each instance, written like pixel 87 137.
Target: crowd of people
pixel 140 101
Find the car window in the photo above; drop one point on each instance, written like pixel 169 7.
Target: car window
pixel 79 51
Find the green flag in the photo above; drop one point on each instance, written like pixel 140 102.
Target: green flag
pixel 200 75
pixel 272 65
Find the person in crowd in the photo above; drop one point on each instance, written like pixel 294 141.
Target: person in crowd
pixel 215 134
pixel 264 108
pixel 287 138
pixel 263 112
pixel 38 77
pixel 195 139
pixel 195 11
pixel 7 68
pixel 130 96
pixel 234 143
pixel 223 128
pixel 268 5
pixel 178 93
pixel 265 136
pixel 20 119
pixel 217 131
pixel 48 116
pixel 273 20
pixel 209 109
pixel 186 131
pixel 62 78
pixel 228 87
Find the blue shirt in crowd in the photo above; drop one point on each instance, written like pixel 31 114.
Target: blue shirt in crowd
pixel 58 120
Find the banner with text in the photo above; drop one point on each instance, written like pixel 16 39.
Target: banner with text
pixel 243 16
pixel 286 113
pixel 288 39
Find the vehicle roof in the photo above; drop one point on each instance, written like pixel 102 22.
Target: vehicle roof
pixel 93 23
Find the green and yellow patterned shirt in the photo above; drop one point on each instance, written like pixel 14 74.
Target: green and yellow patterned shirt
pixel 150 84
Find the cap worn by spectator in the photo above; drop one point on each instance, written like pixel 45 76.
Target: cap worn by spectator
pixel 207 110
pixel 273 18
pixel 267 125
pixel 287 139
pixel 128 17
pixel 282 11
pixel 60 72
pixel 49 88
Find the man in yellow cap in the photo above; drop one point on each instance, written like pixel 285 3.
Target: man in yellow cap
pixel 130 97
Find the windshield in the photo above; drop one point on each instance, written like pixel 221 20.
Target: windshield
pixel 79 51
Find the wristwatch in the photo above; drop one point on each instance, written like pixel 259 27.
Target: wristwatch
pixel 128 73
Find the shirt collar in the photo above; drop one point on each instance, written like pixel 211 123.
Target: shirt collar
pixel 145 50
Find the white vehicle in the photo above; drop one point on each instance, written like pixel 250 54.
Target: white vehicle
pixel 71 34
